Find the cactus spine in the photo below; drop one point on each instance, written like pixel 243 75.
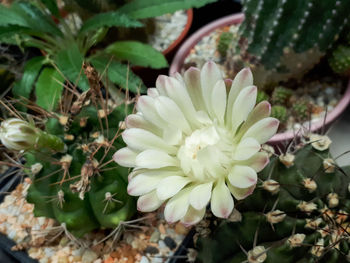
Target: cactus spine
pixel 283 39
pixel 299 213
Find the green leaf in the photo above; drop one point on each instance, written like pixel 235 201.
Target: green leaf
pixel 11 17
pixel 31 71
pixel 137 53
pixel 70 63
pixel 118 74
pixel 109 19
pixel 36 19
pixel 48 89
pixel 150 8
pixel 52 6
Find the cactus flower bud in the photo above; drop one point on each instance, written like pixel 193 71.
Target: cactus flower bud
pixel 20 135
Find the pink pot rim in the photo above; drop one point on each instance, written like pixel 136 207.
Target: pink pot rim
pixel 185 48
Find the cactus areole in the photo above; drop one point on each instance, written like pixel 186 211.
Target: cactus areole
pixel 196 140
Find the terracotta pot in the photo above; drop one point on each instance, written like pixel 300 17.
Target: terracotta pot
pixel 279 138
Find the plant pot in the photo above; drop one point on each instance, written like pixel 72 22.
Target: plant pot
pixel 149 75
pixel 279 138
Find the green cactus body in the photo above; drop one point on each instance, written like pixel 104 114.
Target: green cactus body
pixel 311 206
pixel 340 60
pixel 283 39
pixel 280 95
pixel 82 210
pixel 279 112
pixel 301 110
pixel 224 42
pixel 261 96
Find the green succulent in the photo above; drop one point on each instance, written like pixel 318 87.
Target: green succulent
pixel 279 112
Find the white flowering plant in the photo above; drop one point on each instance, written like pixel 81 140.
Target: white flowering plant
pixel 196 140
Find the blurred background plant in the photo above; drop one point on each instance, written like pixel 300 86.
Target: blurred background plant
pixel 71 32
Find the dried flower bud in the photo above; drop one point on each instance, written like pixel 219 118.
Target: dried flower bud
pixel 272 186
pixel 287 159
pixel 102 113
pixel 333 200
pixel 63 120
pixel 235 216
pixel 310 184
pixel 275 217
pixel 83 122
pixel 320 142
pixel 36 168
pixel 257 254
pixel 69 137
pixel 307 206
pixel 269 149
pixel 296 240
pixel 329 165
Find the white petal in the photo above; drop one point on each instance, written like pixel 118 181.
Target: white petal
pixel 152 92
pixel 246 149
pixel 172 135
pixel 193 216
pixel 193 85
pixel 153 159
pixel 170 186
pixel 144 183
pixel 176 208
pixel 243 106
pixel 125 157
pixel 242 176
pixel 149 202
pixel 200 195
pixel 257 161
pixel 218 100
pixel 243 79
pixel 240 193
pixel 160 84
pixel 178 93
pixel 262 130
pixel 210 75
pixel 260 111
pixel 146 105
pixel 221 200
pixel 171 113
pixel 139 139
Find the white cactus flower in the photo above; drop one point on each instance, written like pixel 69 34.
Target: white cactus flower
pixel 196 140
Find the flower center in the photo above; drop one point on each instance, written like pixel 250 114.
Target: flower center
pixel 203 154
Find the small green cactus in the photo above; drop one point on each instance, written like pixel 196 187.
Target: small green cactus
pixel 261 96
pixel 301 110
pixel 280 95
pixel 299 213
pixel 224 42
pixel 279 112
pixel 340 60
pixel 78 183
